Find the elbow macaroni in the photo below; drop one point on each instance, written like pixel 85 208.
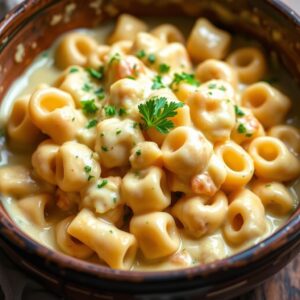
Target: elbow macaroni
pixel 150 152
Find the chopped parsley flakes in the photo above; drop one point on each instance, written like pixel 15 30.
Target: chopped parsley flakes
pixel 138 152
pixel 91 124
pixel 102 184
pixel 157 83
pixel 89 106
pixel 104 148
pixel 184 77
pixel 86 87
pixel 238 111
pixel 140 54
pixel 164 68
pixel 109 110
pixel 241 128
pixel 97 74
pixel 87 170
pixel 73 70
pixel 100 93
pixel 151 58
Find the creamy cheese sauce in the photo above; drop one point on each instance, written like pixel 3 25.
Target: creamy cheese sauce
pixel 192 251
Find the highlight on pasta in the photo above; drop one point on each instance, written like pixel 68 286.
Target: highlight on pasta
pixel 148 149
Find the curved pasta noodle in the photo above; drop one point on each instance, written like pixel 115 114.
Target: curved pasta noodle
pixel 76 167
pixel 44 160
pixel 264 100
pixel 22 133
pixel 207 41
pixel 212 110
pixel 186 151
pixel 35 207
pixel 156 234
pixel 53 111
pixel 115 139
pixel 272 160
pixel 146 190
pixel 289 135
pixel 98 57
pixel 239 165
pixel 168 33
pixel 215 69
pixel 199 216
pixel 127 28
pixel 245 219
pixel 249 63
pixel 67 243
pixel 114 246
pixel 275 197
pixel 74 49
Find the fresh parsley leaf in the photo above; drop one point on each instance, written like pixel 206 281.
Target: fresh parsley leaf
pixel 87 169
pixel 131 77
pixel 157 83
pixel 164 68
pixel 122 112
pixel 118 131
pixel 184 77
pixel 238 111
pixel 102 184
pixel 151 58
pixel 140 54
pixel 222 88
pixel 156 111
pixel 241 128
pixel 96 74
pixel 138 152
pixel 115 58
pixel 104 148
pixel 87 87
pixel 91 124
pixel 73 70
pixel 100 94
pixel 110 110
pixel 89 106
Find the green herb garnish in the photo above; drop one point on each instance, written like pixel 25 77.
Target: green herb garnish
pixel 157 83
pixel 156 111
pixel 138 152
pixel 164 68
pixel 102 184
pixel 140 54
pixel 238 111
pixel 184 77
pixel 86 87
pixel 73 70
pixel 100 94
pixel 115 58
pixel 151 58
pixel 104 148
pixel 91 124
pixel 110 110
pixel 89 106
pixel 122 112
pixel 97 74
pixel 242 129
pixel 118 131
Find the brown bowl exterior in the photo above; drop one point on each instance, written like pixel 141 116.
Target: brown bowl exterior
pixel 30 25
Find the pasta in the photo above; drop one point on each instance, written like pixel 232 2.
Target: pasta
pixel 156 150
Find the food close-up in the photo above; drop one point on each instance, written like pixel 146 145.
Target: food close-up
pixel 150 144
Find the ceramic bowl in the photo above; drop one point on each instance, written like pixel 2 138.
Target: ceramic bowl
pixel 32 26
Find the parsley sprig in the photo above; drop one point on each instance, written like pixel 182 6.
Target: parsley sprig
pixel 156 111
pixel 184 77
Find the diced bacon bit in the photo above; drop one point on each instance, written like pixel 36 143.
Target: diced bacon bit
pixel 203 184
pixel 66 201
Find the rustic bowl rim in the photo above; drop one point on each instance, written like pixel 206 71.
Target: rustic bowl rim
pixel 289 232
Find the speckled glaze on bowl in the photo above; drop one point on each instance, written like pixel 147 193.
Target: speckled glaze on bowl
pixel 32 27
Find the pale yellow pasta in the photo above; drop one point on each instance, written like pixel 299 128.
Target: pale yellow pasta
pixel 245 219
pixel 179 183
pixel 289 135
pixel 115 216
pixel 97 58
pixel 18 181
pixel 119 48
pixel 67 202
pixel 200 216
pixel 275 197
pixel 102 195
pixel 168 33
pixel 115 247
pixel 239 165
pixel 146 190
pixel 210 181
pixel 22 133
pixel 73 80
pixel 272 159
pixel 207 41
pixel 74 49
pixel 43 160
pixel 249 63
pixel 115 139
pixel 156 234
pixel 35 208
pixel 247 127
pixel 186 151
pixel 212 110
pixel 127 28
pixel 184 91
pixel 53 111
pixel 265 100
pixel 67 243
pixel 87 136
pixel 216 69
pixel 145 154
pixel 75 167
